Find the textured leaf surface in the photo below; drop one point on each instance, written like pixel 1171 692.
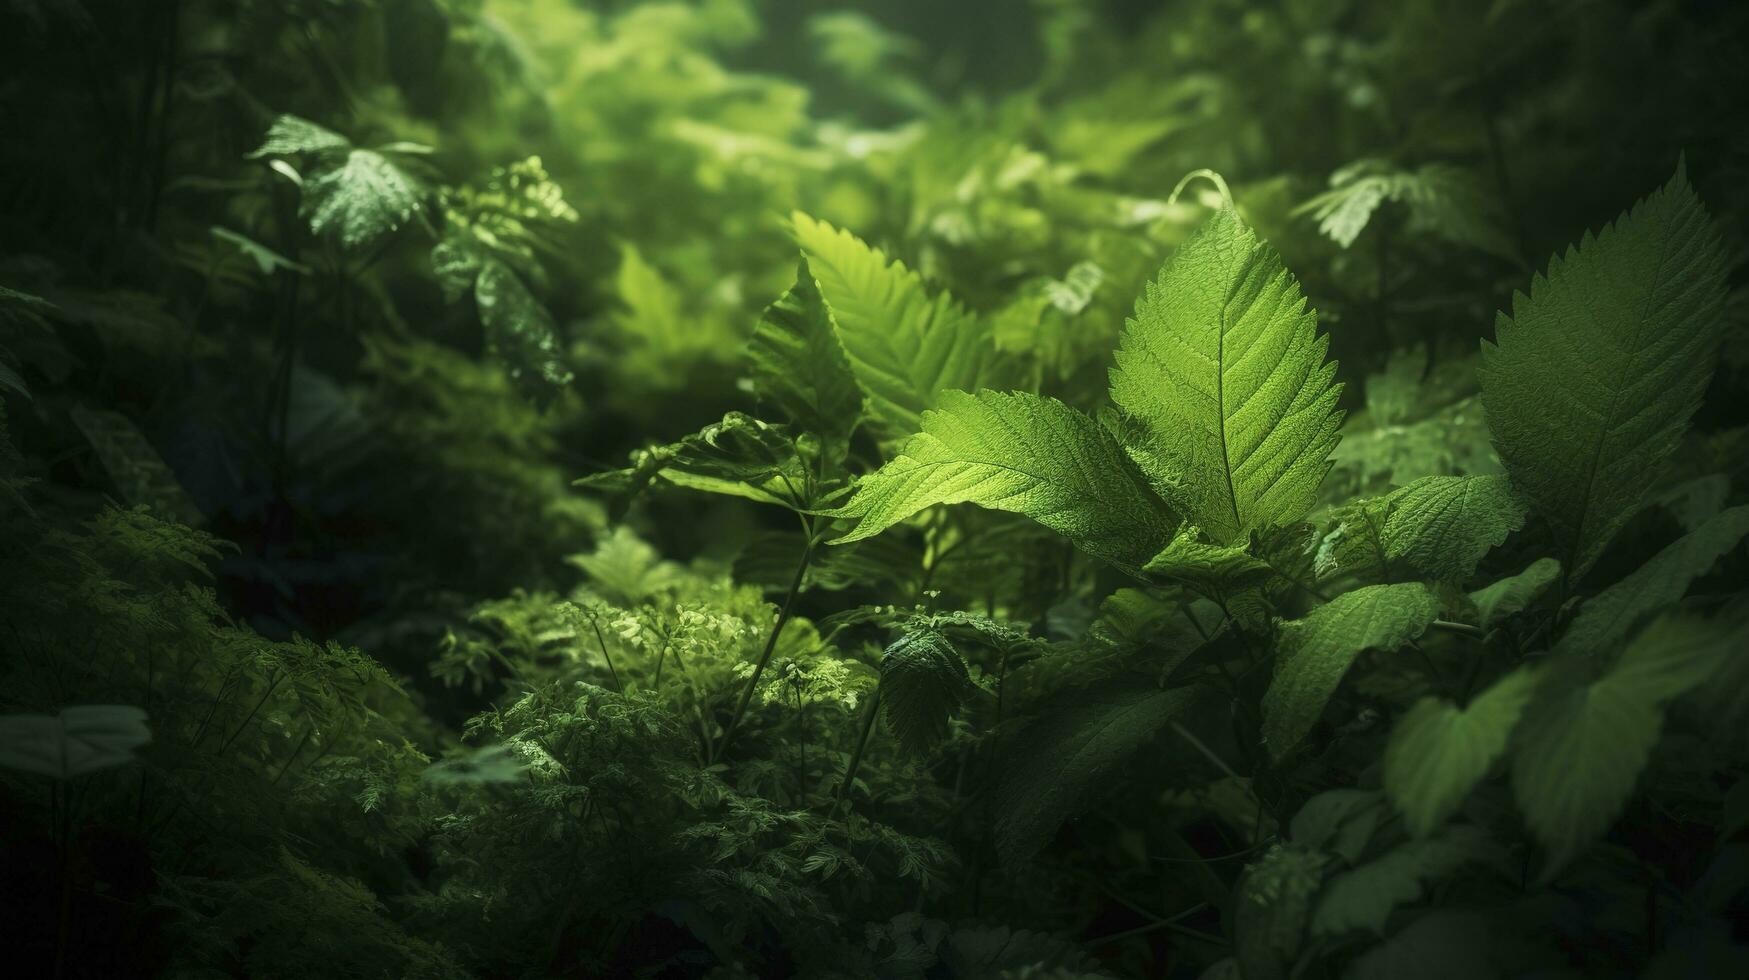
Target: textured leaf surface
pixel 923 682
pixel 1509 596
pixel 1591 381
pixel 1223 371
pixel 799 364
pixel 1026 454
pixel 1052 769
pixel 519 330
pixel 1318 650
pixel 1609 616
pixel 291 134
pixel 1439 752
pixel 904 346
pixel 1441 526
pixel 1581 748
pixel 1364 897
pixel 361 200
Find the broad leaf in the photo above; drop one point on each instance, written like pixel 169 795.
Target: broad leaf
pixel 1591 381
pixel 1364 897
pixel 799 365
pixel 361 200
pixel 904 346
pixel 1222 370
pixel 1318 650
pixel 923 682
pixel 1441 526
pixel 519 331
pixel 1026 454
pixel 1611 615
pixel 1438 752
pixel 77 741
pixel 1052 768
pixel 1510 596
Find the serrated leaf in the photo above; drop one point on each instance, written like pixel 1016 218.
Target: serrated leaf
pixel 519 331
pixel 1608 617
pixel 1582 745
pixel 78 740
pixel 1591 381
pixel 1211 570
pixel 1510 596
pixel 904 346
pixel 799 365
pixel 361 200
pixel 923 682
pixel 1364 897
pixel 1053 768
pixel 1441 526
pixel 1318 650
pixel 1438 752
pixel 1223 371
pixel 1021 453
pixel 291 134
pixel 739 456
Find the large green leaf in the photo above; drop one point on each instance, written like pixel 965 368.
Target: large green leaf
pixel 1222 370
pixel 362 199
pixel 1439 752
pixel 1052 769
pixel 1363 898
pixel 1606 618
pixel 1591 381
pixel 904 346
pixel 1026 454
pixel 1318 650
pixel 799 365
pixel 1441 526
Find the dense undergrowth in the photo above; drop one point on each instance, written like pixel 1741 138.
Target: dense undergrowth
pixel 475 484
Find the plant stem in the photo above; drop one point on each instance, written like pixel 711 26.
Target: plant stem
pixel 789 601
pixel 868 724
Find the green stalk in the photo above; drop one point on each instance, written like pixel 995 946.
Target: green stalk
pixel 789 601
pixel 868 724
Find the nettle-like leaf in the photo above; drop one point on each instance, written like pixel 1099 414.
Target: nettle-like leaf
pixel 740 456
pixel 923 682
pixel 1442 200
pixel 519 330
pixel 1438 752
pixel 1583 743
pixel 904 346
pixel 1021 453
pixel 291 135
pixel 1510 596
pixel 1611 615
pixel 1591 381
pixel 1364 897
pixel 1222 371
pixel 799 365
pixel 1212 570
pixel 361 200
pixel 1441 526
pixel 78 740
pixel 1053 768
pixel 1318 650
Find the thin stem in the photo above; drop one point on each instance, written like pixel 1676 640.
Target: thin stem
pixel 868 724
pixel 1461 629
pixel 789 601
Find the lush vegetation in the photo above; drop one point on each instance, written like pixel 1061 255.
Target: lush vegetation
pixel 763 488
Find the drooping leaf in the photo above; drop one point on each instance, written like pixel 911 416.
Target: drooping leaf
pixel 1438 752
pixel 266 260
pixel 1053 768
pixel 1591 381
pixel 1222 369
pixel 1364 897
pixel 1441 526
pixel 520 331
pixel 923 682
pixel 78 740
pixel 1318 650
pixel 1212 570
pixel 799 364
pixel 291 134
pixel 1510 596
pixel 361 200
pixel 1608 617
pixel 904 346
pixel 739 456
pixel 1021 453
pixel 1582 743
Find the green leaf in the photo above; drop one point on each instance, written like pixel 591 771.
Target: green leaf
pixel 1582 744
pixel 1608 617
pixel 738 457
pixel 923 682
pixel 361 200
pixel 1318 650
pixel 1591 381
pixel 1223 371
pixel 1271 908
pixel 79 740
pixel 291 134
pixel 266 260
pixel 904 347
pixel 799 364
pixel 519 330
pixel 1053 768
pixel 1364 897
pixel 1510 596
pixel 1438 752
pixel 1211 570
pixel 1021 453
pixel 1441 526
